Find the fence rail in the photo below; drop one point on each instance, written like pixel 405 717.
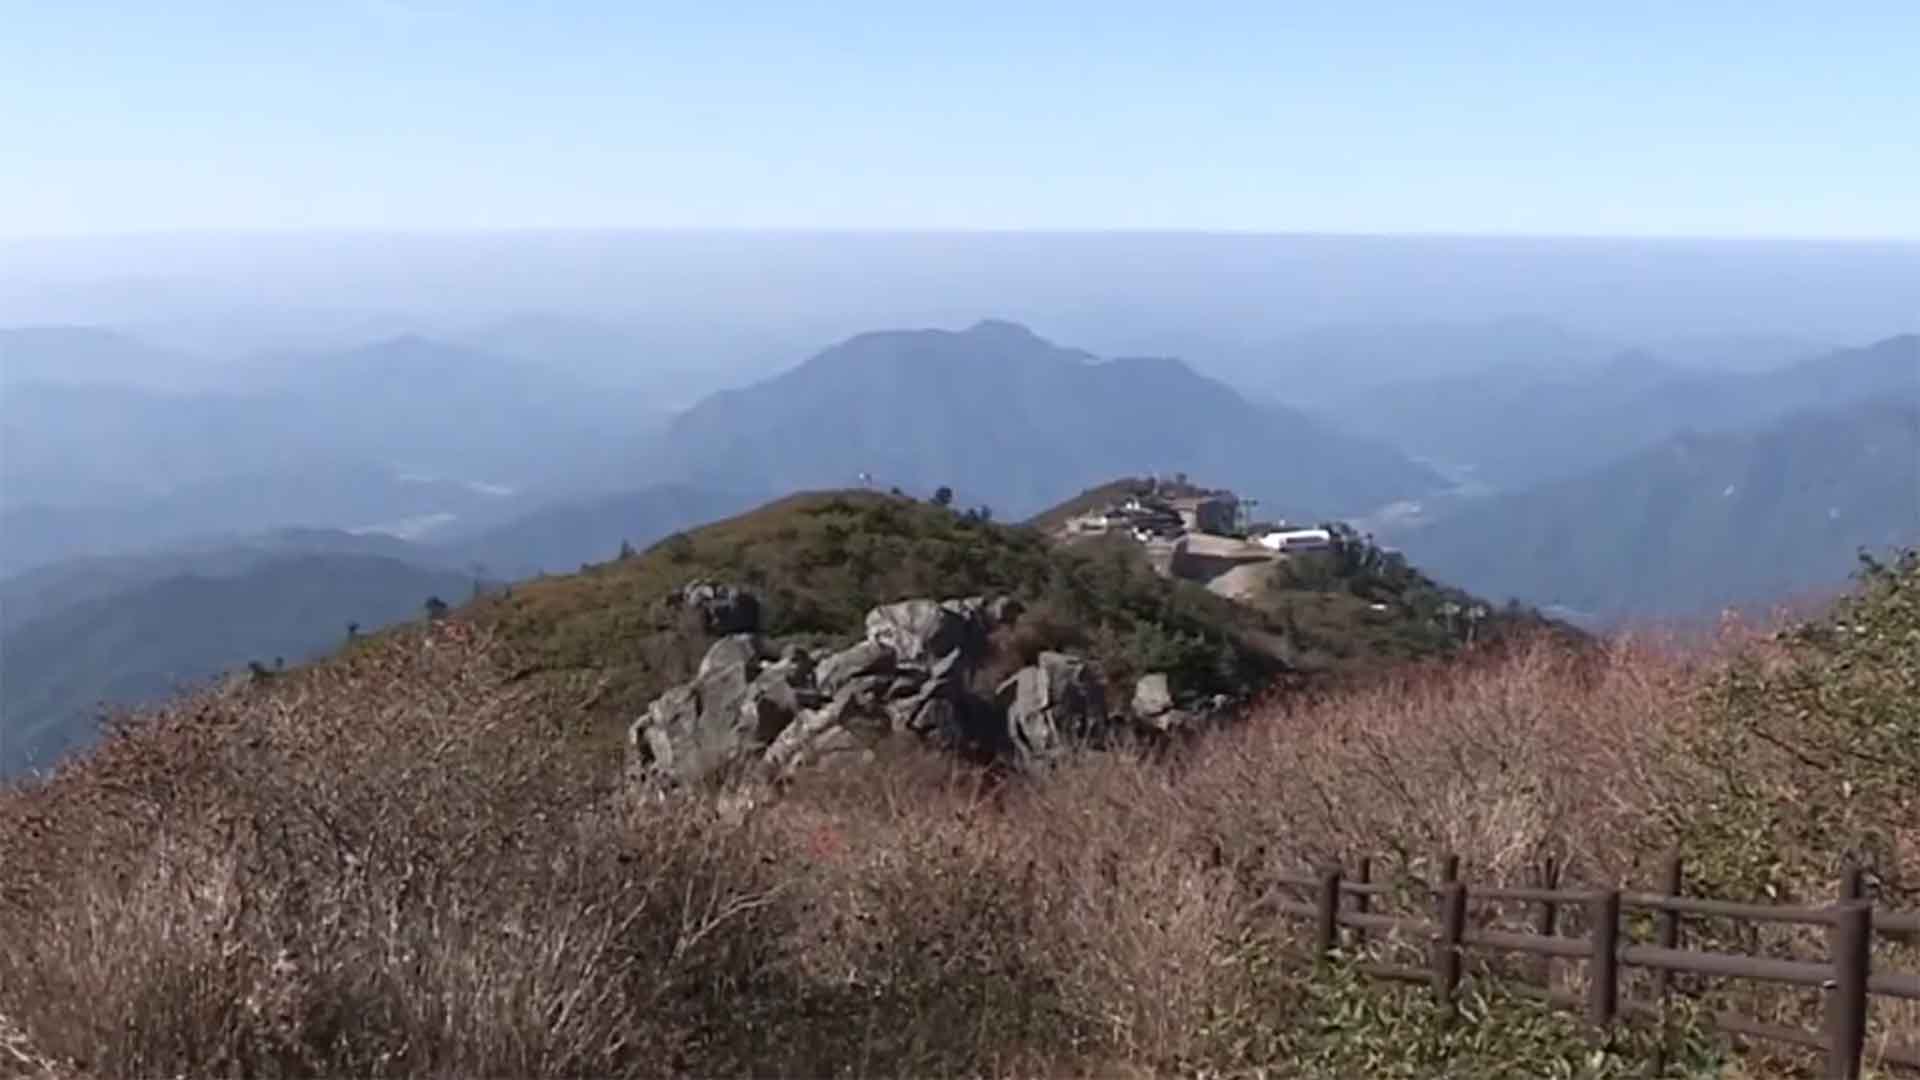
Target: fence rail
pixel 1845 977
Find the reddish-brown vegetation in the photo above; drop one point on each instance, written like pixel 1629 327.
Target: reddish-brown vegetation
pixel 398 864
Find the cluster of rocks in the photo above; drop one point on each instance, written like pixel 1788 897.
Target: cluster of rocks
pixel 756 712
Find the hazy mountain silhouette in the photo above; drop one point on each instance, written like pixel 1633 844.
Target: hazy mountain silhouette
pixel 144 643
pixel 999 414
pixel 1519 427
pixel 1698 521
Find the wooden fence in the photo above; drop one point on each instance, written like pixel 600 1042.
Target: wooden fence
pixel 1846 977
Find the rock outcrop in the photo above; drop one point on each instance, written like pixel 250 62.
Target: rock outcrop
pixel 732 710
pixel 1056 703
pixel 722 608
pixel 920 631
pixel 747 714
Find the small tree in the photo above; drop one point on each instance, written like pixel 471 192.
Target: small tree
pixel 626 551
pixel 943 496
pixel 436 608
pixel 353 630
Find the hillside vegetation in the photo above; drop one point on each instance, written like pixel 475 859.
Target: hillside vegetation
pixel 388 864
pixel 819 562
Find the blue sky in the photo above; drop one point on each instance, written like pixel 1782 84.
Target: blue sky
pixel 1615 118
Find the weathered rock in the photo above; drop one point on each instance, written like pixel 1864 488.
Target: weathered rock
pixel 1152 696
pixel 723 608
pixel 737 650
pixel 747 715
pixel 1054 703
pixel 866 658
pixel 720 721
pixel 691 731
pixel 919 630
pixel 775 699
pixel 846 728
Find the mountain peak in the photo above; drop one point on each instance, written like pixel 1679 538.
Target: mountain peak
pixel 1002 330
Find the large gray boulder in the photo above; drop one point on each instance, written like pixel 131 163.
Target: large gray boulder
pixel 1154 708
pixel 845 729
pixel 919 631
pixel 722 720
pixel 744 651
pixel 932 704
pixel 747 714
pixel 866 658
pixel 723 608
pixel 1055 703
pixel 1152 696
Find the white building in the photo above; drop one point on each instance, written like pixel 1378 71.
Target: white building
pixel 1298 540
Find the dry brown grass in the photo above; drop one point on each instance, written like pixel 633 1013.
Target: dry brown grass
pixel 394 865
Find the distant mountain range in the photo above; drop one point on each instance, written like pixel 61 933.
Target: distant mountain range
pixel 413 405
pixel 149 640
pixel 74 582
pixel 93 356
pixel 1517 426
pixel 1003 416
pixel 123 629
pixel 345 496
pixel 1628 484
pixel 1698 521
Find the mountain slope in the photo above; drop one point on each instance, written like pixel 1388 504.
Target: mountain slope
pixel 1005 417
pixel 1699 521
pixel 143 643
pixel 1518 427
pixel 407 404
pixel 342 495
pixel 819 561
pixel 564 535
pixel 87 355
pixel 73 582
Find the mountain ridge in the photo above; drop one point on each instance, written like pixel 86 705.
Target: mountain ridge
pixel 997 409
pixel 1702 520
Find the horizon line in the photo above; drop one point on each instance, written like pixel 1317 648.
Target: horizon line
pixel 523 231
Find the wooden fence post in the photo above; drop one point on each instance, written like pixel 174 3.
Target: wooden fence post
pixel 1603 967
pixel 1547 919
pixel 1669 937
pixel 1327 915
pixel 1362 902
pixel 1846 1021
pixel 1853 883
pixel 1447 958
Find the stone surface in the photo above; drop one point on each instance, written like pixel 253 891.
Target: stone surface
pixel 736 650
pixel 1152 696
pixel 723 608
pixel 866 658
pixel 748 715
pixel 1054 704
pixel 918 630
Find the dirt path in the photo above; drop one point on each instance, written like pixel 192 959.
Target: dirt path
pixel 1241 583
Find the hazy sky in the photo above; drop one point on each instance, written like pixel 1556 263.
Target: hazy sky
pixel 1597 118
